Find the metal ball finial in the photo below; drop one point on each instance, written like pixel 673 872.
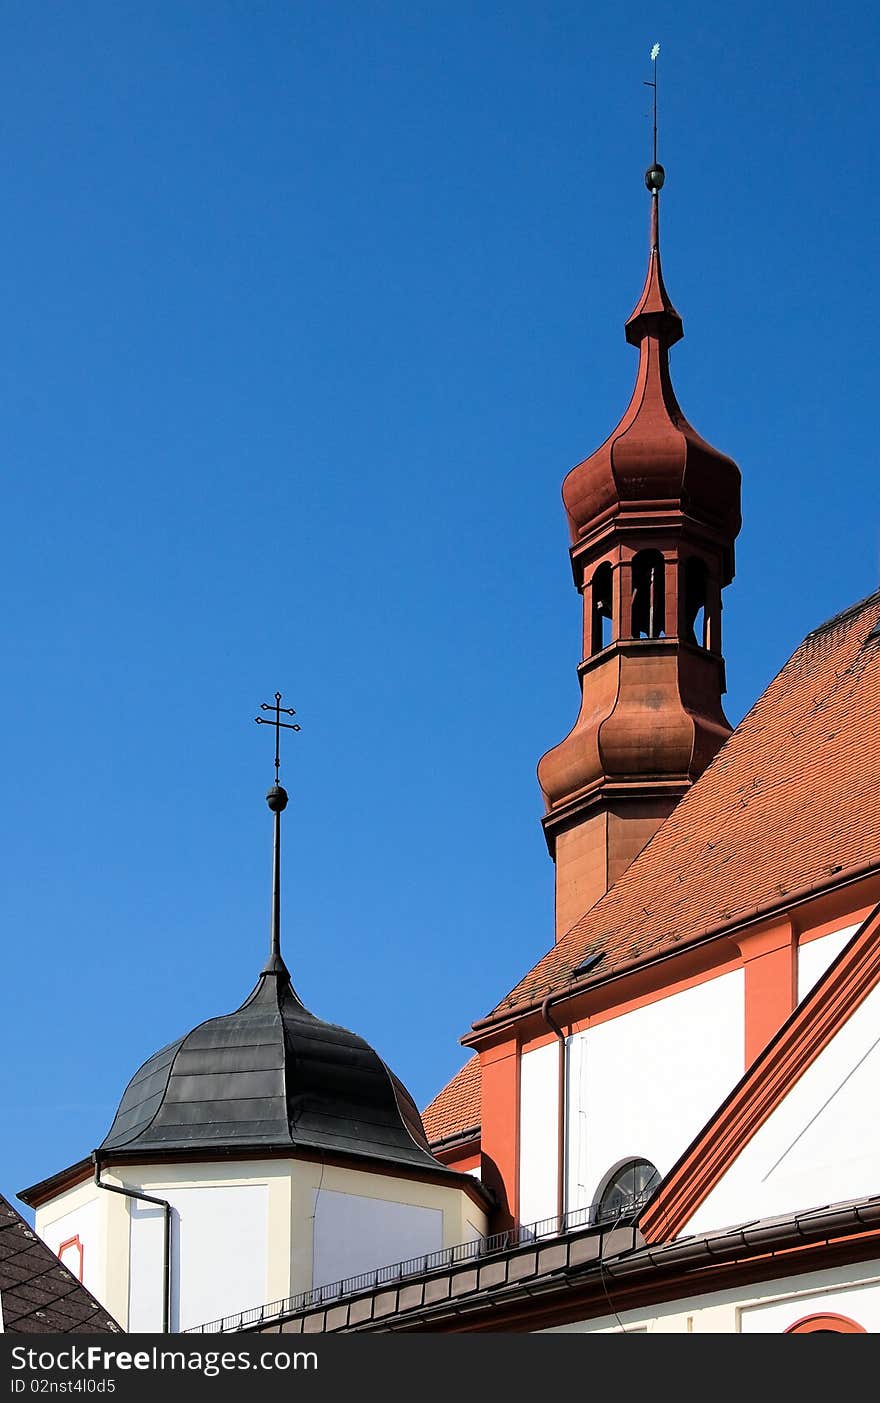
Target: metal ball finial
pixel 655 175
pixel 277 799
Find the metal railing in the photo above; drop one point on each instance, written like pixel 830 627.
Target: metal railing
pixel 439 1261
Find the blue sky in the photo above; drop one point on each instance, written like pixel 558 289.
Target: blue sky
pixel 305 312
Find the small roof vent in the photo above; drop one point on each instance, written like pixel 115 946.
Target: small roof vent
pixel 588 964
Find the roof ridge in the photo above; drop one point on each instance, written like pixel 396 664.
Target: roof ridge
pixel 844 614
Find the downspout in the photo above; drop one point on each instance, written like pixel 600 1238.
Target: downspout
pixel 560 1114
pixel 166 1254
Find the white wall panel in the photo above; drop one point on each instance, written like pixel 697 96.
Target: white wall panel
pixel 146 1274
pixel 219 1251
pixel 814 958
pixel 354 1234
pixel 820 1145
pixel 645 1083
pixel 539 1133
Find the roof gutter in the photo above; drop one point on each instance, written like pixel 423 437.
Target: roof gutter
pixel 494 1022
pixel 166 1251
pixel 459 1138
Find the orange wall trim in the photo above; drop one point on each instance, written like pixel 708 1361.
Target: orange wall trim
pixel 499 1137
pixel 843 987
pixel 770 969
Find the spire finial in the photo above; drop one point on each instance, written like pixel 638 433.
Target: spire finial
pixel 277 801
pixel 277 723
pixel 654 316
pixel 655 174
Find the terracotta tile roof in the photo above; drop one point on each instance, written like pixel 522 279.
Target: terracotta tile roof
pixel 38 1294
pixel 457 1107
pixel 791 798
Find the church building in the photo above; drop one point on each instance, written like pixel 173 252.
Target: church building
pixel 665 1125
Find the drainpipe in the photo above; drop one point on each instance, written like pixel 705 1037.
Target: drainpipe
pixel 560 1115
pixel 166 1254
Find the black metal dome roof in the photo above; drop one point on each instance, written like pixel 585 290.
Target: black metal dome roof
pixel 270 1076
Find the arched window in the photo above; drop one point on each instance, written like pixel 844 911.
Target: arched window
pixel 601 611
pixel 648 595
pixel 695 594
pixel 826 1325
pixel 625 1190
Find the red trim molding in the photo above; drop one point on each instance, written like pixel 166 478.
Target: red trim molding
pixel 845 985
pixel 75 1243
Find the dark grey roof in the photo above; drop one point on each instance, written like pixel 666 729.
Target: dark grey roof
pixel 38 1294
pixel 273 1076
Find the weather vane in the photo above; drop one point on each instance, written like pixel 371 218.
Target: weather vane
pixel 278 724
pixel 655 175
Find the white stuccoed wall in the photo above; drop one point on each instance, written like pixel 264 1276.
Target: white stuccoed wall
pixel 815 956
pixel 539 1133
pixel 355 1234
pixel 821 1145
pixel 645 1083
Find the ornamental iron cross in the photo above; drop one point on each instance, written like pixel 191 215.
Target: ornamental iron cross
pixel 278 724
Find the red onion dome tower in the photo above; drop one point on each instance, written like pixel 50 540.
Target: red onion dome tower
pixel 653 516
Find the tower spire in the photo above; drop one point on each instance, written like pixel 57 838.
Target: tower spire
pixel 653 514
pixel 277 801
